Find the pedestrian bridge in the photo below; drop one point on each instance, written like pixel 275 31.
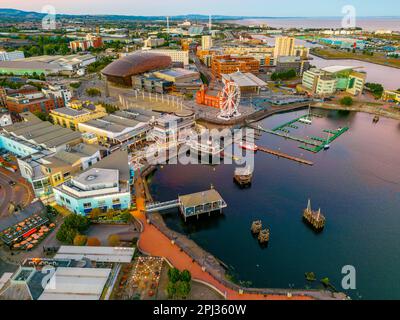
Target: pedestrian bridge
pixel 159 206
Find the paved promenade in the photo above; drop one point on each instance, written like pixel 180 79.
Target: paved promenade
pixel 153 242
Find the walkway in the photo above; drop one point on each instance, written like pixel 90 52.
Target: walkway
pixel 154 243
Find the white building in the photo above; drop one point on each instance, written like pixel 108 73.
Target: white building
pixel 58 91
pixel 176 55
pixel 5 120
pixel 11 56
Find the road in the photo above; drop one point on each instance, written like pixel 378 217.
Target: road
pixel 20 194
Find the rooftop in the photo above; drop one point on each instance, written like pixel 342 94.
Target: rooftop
pixel 98 254
pixel 200 198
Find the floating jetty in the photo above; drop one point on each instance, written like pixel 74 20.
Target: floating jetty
pixel 334 134
pixel 315 218
pixel 284 155
pixel 243 176
pixel 256 227
pixel 263 236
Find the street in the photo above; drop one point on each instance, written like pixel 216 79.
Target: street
pixel 19 194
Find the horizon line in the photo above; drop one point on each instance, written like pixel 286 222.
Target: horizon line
pixel 197 14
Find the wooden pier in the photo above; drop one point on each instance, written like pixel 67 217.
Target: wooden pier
pixel 315 218
pixel 280 154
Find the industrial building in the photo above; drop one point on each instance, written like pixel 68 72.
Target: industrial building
pixel 11 56
pixel 47 65
pixel 34 135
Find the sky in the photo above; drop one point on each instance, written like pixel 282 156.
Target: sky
pixel 270 8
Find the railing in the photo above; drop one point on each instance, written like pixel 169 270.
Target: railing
pixel 162 205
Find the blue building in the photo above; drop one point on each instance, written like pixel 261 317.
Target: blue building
pixel 106 185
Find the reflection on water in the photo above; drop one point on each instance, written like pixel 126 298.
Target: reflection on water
pixel 356 183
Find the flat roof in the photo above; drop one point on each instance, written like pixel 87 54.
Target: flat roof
pixel 244 79
pixel 336 69
pixel 98 254
pixel 70 111
pixel 199 198
pixel 76 284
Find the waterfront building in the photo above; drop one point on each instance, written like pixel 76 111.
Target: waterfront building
pixel 169 128
pixel 206 42
pixel 247 82
pixel 286 63
pixel 327 81
pixel 227 64
pixel 208 97
pixel 11 56
pixel 391 96
pixel 46 170
pixel 77 112
pixel 284 46
pixel 106 186
pixel 116 129
pixel 344 43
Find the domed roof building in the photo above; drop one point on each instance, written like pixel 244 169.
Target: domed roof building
pixel 122 70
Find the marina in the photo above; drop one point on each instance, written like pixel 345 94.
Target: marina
pixel 277 196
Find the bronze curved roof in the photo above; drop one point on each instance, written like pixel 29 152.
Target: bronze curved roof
pixel 136 63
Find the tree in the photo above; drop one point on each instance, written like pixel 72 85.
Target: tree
pixel 376 89
pixel 173 275
pixel 114 240
pixel 182 289
pixel 171 290
pixel 93 242
pixel 93 92
pixel 78 222
pixel 66 234
pixel 346 101
pixel 80 240
pixel 186 276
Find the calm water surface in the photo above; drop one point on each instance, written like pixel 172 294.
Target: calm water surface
pixel 356 183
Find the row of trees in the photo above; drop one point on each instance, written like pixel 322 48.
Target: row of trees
pixel 179 283
pixel 376 89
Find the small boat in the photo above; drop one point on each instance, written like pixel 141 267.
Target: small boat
pixel 248 146
pixel 327 146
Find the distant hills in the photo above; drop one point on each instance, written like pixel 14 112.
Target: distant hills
pixel 19 15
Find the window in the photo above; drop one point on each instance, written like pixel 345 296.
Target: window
pixel 87 205
pixel 116 201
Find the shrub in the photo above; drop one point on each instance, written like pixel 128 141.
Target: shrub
pixel 346 101
pixel 113 240
pixel 93 92
pixel 80 240
pixel 93 242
